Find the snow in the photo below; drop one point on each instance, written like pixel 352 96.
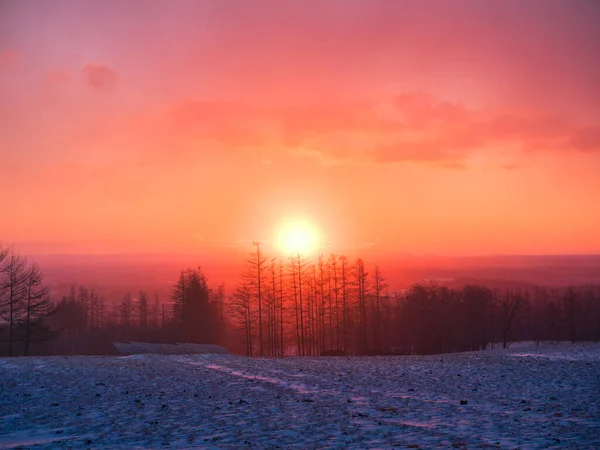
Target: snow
pixel 523 396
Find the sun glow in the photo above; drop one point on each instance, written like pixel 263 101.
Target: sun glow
pixel 297 236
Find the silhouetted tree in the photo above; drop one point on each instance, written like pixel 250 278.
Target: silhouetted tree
pixel 297 267
pixel 37 303
pixel 194 316
pixel 143 313
pixel 477 308
pixel 361 286
pixel 333 274
pixel 239 308
pixel 13 287
pixel 510 305
pixel 126 310
pixel 345 287
pixel 256 279
pixel 378 287
pixel 571 307
pixel 83 299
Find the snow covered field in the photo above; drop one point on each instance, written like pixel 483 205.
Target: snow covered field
pixel 520 397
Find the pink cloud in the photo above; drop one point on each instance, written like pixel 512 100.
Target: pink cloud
pixel 324 118
pixel 440 130
pixel 99 77
pixel 420 128
pixel 413 127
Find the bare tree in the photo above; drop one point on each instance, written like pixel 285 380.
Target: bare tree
pixel 96 310
pixel 154 314
pixel 345 272
pixel 297 269
pixel 379 286
pixel 330 302
pixel 333 273
pixel 510 306
pixel 83 299
pixel 361 284
pixel 313 319
pixel 281 302
pixel 143 306
pixel 3 294
pixel 294 285
pixel 273 311
pixel 37 302
pixel 239 308
pixel 256 279
pixel 323 268
pixel 217 303
pixel 126 310
pixel 14 288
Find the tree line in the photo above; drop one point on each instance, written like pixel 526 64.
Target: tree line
pixel 331 306
pixel 88 324
pixel 296 306
pixel 24 302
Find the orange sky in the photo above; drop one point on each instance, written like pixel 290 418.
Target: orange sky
pixel 469 127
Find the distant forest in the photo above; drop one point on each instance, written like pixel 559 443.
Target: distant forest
pixel 292 307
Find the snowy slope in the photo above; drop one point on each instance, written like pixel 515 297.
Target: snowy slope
pixel 523 396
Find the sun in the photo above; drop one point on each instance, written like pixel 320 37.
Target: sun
pixel 297 236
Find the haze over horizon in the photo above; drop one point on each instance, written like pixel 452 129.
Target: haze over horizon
pixel 445 128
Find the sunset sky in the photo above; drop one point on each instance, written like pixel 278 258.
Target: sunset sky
pixel 448 127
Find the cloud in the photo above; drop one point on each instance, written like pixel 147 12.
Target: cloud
pixel 432 130
pixel 99 77
pixel 308 120
pixel 510 166
pixel 410 127
pixel 419 127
